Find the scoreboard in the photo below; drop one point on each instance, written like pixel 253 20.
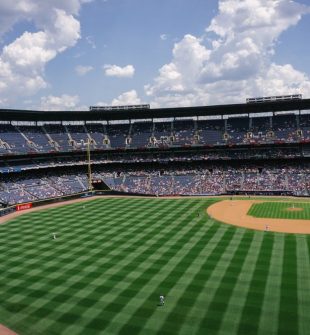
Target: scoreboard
pixel 99 184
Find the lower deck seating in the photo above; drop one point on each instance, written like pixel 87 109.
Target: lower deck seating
pixel 186 179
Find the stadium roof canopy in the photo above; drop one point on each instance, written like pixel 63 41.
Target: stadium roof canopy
pixel 234 109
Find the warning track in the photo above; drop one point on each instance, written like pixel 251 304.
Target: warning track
pixel 6 331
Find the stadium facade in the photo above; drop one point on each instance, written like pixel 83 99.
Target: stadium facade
pixel 254 148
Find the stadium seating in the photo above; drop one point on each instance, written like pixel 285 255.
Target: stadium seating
pixel 285 128
pixel 28 187
pixel 214 179
pixel 173 156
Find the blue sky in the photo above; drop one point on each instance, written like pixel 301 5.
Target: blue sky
pixel 67 55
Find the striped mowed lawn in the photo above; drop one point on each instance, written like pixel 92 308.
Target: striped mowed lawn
pixel 281 210
pixel 113 258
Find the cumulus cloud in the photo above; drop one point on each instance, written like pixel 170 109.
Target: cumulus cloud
pixel 60 103
pixel 11 13
pixel 117 71
pixel 178 76
pixel 23 61
pixel 81 70
pixel 234 58
pixel 127 98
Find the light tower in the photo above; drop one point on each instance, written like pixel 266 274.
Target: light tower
pixel 90 185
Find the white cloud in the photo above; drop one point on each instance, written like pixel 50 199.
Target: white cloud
pixel 233 60
pixel 163 37
pixel 39 12
pixel 278 79
pixel 60 103
pixel 81 70
pixel 127 98
pixel 23 61
pixel 178 76
pixel 117 71
pixel 12 12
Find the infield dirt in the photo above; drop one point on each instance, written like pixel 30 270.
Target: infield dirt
pixel 235 212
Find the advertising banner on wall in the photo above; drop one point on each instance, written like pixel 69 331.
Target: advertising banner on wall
pixel 22 207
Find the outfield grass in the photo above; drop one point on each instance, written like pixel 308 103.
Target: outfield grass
pixel 280 210
pixel 112 259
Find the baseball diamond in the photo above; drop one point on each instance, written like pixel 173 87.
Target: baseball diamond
pixel 113 258
pixel 287 216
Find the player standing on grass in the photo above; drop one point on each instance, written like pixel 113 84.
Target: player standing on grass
pixel 161 300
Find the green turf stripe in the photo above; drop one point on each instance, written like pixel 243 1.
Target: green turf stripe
pixel 196 286
pixel 211 322
pixel 139 282
pixel 303 284
pixel 154 228
pixel 114 257
pixel 252 308
pixel 102 250
pixel 173 274
pixel 135 236
pixel 233 315
pixel 271 303
pixel 288 316
pixel 43 234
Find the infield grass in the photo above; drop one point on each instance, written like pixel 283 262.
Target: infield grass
pixel 281 210
pixel 113 258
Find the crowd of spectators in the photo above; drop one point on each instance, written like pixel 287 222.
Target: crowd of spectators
pixel 156 157
pixel 217 180
pixel 32 186
pixel 162 179
pixel 177 133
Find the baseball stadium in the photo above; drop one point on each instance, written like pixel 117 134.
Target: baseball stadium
pixel 132 220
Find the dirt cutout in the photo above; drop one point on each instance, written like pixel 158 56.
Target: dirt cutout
pixel 235 212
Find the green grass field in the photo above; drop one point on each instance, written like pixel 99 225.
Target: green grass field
pixel 112 259
pixel 279 210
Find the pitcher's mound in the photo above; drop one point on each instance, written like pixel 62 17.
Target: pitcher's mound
pixel 294 209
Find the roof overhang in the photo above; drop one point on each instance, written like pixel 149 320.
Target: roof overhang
pixel 216 110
